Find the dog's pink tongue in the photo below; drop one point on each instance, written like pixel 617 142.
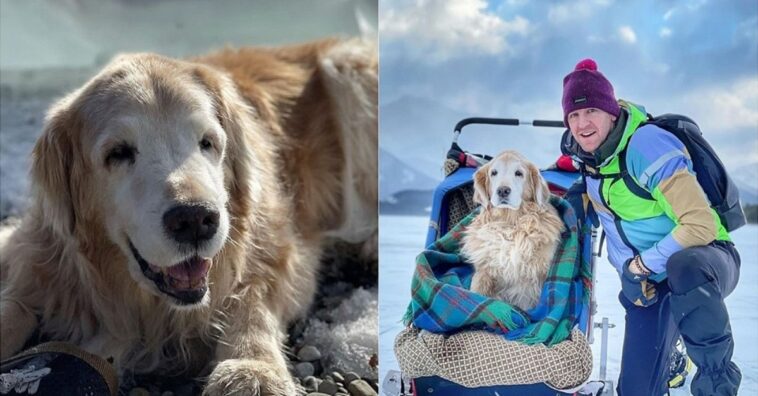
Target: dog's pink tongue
pixel 191 270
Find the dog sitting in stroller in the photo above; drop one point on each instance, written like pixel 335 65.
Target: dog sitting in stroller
pixel 513 239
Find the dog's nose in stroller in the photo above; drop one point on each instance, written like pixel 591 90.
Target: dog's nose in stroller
pixel 503 192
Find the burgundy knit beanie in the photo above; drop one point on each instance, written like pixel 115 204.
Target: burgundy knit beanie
pixel 586 87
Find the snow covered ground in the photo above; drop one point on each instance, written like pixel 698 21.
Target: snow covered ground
pixel 401 239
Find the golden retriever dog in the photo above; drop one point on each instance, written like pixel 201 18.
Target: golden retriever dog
pixel 180 207
pixel 512 241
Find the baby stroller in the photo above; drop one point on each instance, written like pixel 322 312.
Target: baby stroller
pixel 452 201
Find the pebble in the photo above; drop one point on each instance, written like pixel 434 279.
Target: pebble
pixel 361 388
pixel 311 383
pixel 328 387
pixel 350 377
pixel 304 369
pixel 317 394
pixel 308 353
pixel 139 392
pixel 337 376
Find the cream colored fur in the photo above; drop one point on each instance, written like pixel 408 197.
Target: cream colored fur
pixel 293 161
pixel 511 243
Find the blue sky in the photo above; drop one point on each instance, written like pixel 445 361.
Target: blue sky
pixel 508 58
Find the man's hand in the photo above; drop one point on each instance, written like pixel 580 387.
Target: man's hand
pixel 635 285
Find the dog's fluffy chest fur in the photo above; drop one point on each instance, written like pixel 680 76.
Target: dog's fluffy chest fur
pixel 511 252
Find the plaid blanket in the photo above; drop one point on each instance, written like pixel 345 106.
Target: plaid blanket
pixel 442 302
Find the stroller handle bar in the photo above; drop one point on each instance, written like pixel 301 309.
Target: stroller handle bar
pixel 502 121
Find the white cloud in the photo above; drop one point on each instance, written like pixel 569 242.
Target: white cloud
pixel 692 6
pixel 665 32
pixel 574 11
pixel 627 35
pixel 726 109
pixel 446 28
pixel 594 39
pixel 695 5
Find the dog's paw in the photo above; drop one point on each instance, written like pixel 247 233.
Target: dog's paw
pixel 248 377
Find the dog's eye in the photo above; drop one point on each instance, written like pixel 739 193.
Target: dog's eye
pixel 206 144
pixel 494 172
pixel 120 154
pixel 519 173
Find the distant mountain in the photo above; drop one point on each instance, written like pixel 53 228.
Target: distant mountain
pixel 746 179
pixel 408 202
pixel 396 175
pixel 419 131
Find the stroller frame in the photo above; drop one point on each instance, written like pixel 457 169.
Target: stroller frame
pixel 440 222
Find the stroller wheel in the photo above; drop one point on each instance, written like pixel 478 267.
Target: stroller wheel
pixel 681 365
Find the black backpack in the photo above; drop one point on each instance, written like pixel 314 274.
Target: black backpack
pixel 711 174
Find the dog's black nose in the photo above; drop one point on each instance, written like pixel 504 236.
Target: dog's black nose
pixel 191 223
pixel 503 192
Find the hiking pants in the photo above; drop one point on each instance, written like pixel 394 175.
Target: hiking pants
pixel 690 303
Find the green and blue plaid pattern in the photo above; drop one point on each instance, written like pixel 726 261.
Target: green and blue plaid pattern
pixel 442 302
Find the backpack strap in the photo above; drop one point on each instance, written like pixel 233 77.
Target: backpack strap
pixel 630 181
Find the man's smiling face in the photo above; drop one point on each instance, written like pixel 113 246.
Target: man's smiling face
pixel 590 127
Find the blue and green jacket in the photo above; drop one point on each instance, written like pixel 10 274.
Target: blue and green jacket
pixel 678 216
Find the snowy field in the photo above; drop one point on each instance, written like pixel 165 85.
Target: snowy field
pixel 402 238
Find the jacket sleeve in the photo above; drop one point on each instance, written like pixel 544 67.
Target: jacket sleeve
pixel 661 164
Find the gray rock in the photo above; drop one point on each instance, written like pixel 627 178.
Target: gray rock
pixel 328 387
pixel 139 392
pixel 311 383
pixel 304 369
pixel 338 377
pixel 361 388
pixel 308 353
pixel 317 394
pixel 350 377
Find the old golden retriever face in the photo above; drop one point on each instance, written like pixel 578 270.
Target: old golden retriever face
pixel 146 153
pixel 509 180
pixel 180 209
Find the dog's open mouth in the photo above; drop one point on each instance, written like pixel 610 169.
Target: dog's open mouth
pixel 187 281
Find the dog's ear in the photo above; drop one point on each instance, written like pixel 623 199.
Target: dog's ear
pixel 482 186
pixel 52 160
pixel 244 156
pixel 539 186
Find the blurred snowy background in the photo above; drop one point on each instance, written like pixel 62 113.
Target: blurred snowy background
pixel 49 47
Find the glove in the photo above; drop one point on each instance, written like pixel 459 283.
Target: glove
pixel 637 288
